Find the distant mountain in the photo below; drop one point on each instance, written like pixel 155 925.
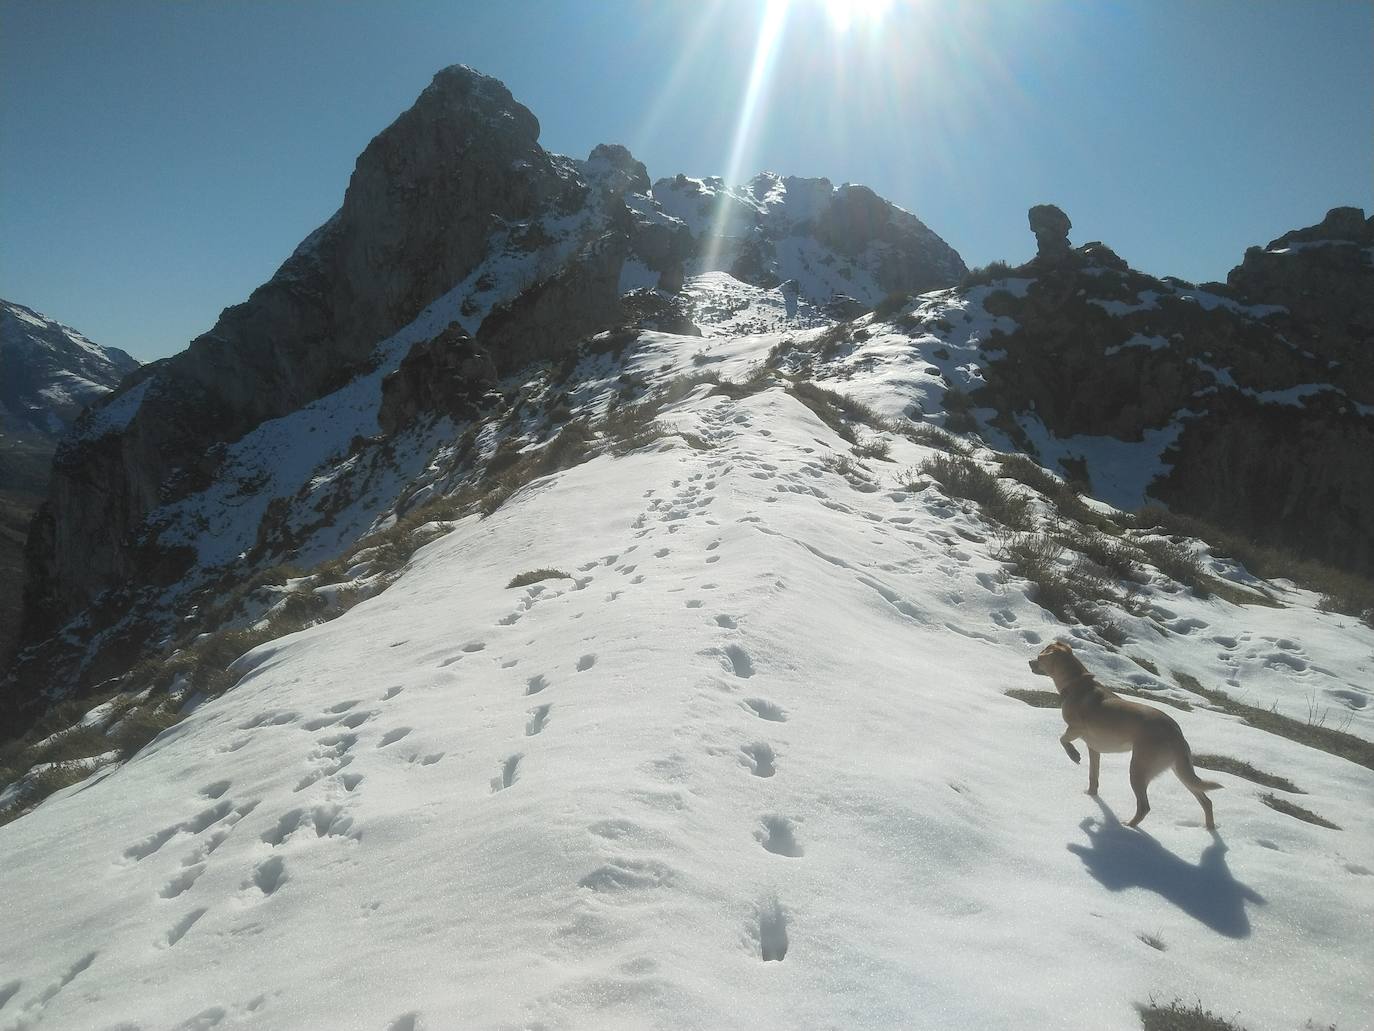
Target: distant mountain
pixel 49 372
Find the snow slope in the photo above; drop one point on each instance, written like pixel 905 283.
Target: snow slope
pixel 749 764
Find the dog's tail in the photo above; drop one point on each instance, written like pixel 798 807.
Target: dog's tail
pixel 1183 766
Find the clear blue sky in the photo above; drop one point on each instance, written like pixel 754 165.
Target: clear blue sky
pixel 159 160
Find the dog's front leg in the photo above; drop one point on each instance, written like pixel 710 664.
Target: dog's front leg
pixel 1094 759
pixel 1067 739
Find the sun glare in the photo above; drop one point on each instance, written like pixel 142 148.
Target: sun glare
pixel 844 13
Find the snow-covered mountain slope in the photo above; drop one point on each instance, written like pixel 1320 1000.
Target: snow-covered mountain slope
pixel 750 761
pixel 49 372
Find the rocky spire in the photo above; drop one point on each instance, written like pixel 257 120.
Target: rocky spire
pixel 1051 228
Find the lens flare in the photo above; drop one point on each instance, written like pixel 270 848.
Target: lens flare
pixel 765 50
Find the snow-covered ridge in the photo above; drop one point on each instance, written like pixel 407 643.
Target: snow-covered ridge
pixel 750 760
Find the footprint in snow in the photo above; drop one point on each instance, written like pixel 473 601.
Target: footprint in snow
pixel 510 769
pixel 539 718
pixel 586 662
pixel 765 710
pixel 392 736
pixel 778 837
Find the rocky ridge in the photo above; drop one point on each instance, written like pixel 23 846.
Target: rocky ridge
pixel 1256 397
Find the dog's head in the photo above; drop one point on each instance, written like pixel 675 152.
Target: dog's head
pixel 1056 659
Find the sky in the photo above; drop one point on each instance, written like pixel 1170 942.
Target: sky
pixel 158 161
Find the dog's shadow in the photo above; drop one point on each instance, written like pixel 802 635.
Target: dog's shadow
pixel 1121 857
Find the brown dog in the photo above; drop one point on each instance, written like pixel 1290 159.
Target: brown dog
pixel 1107 723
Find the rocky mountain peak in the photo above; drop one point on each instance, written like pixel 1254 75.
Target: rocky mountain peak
pixel 614 166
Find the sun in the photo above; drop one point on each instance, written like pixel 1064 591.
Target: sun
pixel 844 13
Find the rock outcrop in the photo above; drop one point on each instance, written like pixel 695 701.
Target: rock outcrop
pixel 447 374
pixel 1051 228
pixel 1273 437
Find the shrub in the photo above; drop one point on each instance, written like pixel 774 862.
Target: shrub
pixel 1038 699
pixel 1178 562
pixel 891 305
pixel 929 435
pixel 1074 593
pixel 1178 1017
pixel 964 478
pixel 139 726
pixel 873 447
pixel 1286 807
pixel 985 274
pixel 1115 557
pixel 1341 590
pixel 1336 742
pixel 1241 768
pixel 533 576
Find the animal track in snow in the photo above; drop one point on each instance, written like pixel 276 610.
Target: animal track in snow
pixel 406 1022
pixel 661 553
pixel 585 663
pixel 339 707
pixel 392 692
pixel 195 825
pixel 778 837
pixel 712 558
pixel 216 789
pixel 182 881
pixel 179 929
pixel 475 646
pixel 50 992
pixel 268 876
pixel 626 874
pixel 694 603
pixel 350 781
pixel 759 758
pixel 510 770
pixel 765 710
pixel 740 662
pixel 355 720
pixel 772 932
pixel 392 736
pixel 728 622
pixel 539 717
pixel 536 683
pixel 270 719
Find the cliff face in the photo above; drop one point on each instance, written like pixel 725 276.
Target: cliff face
pixel 461 238
pixel 1266 386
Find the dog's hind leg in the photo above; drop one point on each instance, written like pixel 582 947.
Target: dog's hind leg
pixel 1141 775
pixel 1183 768
pixel 1094 761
